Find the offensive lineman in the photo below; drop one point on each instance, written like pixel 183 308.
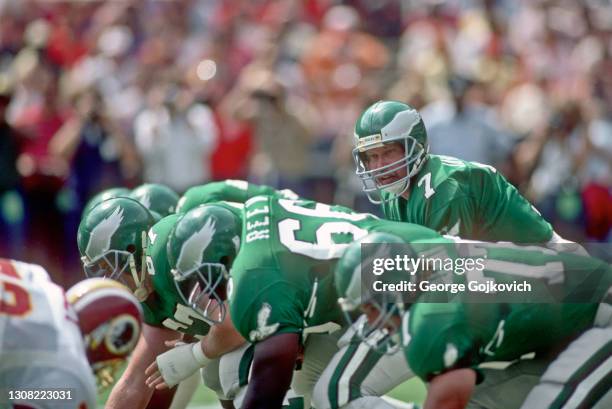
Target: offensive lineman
pixel 445 338
pixel 159 199
pixel 119 239
pixel 281 293
pixel 164 312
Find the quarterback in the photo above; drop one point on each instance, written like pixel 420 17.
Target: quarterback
pixel 51 340
pixel 449 195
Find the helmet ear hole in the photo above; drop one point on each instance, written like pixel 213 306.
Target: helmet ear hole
pixel 131 248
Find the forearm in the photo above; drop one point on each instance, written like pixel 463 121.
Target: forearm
pixel 274 360
pixel 131 390
pixel 129 393
pixel 214 349
pixel 444 404
pixel 221 339
pixel 66 140
pixel 264 394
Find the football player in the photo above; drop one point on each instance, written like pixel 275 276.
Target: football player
pixel 119 239
pixel 105 195
pixel 449 195
pixel 223 355
pixel 446 194
pixel 155 197
pixel 445 338
pixel 223 371
pixel 52 340
pixel 159 199
pixel 118 227
pixel 235 191
pixel 281 292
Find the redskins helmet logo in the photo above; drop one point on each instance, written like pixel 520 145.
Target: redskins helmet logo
pixel 122 334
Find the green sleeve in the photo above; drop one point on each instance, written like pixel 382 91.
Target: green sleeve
pixel 150 317
pixel 164 307
pixel 505 214
pixel 157 266
pixel 409 232
pixel 260 310
pixel 238 191
pixel 438 339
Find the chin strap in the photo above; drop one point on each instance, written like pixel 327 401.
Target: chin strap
pixel 141 292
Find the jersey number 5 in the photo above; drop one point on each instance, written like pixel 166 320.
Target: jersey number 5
pixel 14 299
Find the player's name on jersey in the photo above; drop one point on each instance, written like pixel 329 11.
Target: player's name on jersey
pixel 476 286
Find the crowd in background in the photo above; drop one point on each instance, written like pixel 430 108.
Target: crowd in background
pixel 95 94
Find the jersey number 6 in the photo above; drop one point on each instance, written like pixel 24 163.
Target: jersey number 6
pixel 324 247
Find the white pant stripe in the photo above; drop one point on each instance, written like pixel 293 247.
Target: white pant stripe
pixel 351 368
pixel 558 374
pixel 584 387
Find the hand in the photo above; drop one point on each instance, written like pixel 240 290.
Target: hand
pixel 173 343
pixel 175 365
pixel 154 377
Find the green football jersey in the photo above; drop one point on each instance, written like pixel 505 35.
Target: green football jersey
pixel 238 191
pixel 282 278
pixel 442 336
pixel 469 200
pixel 164 306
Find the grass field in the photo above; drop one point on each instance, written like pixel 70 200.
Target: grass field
pixel 409 391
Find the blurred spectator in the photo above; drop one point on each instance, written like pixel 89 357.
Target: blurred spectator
pixel 465 128
pixel 270 90
pixel 11 204
pixel 175 137
pixel 100 154
pixel 552 158
pixel 567 167
pixel 340 65
pixel 43 175
pixel 282 140
pixel 230 158
pixel 9 149
pixel 597 177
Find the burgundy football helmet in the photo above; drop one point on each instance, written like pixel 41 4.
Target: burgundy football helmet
pixel 110 319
